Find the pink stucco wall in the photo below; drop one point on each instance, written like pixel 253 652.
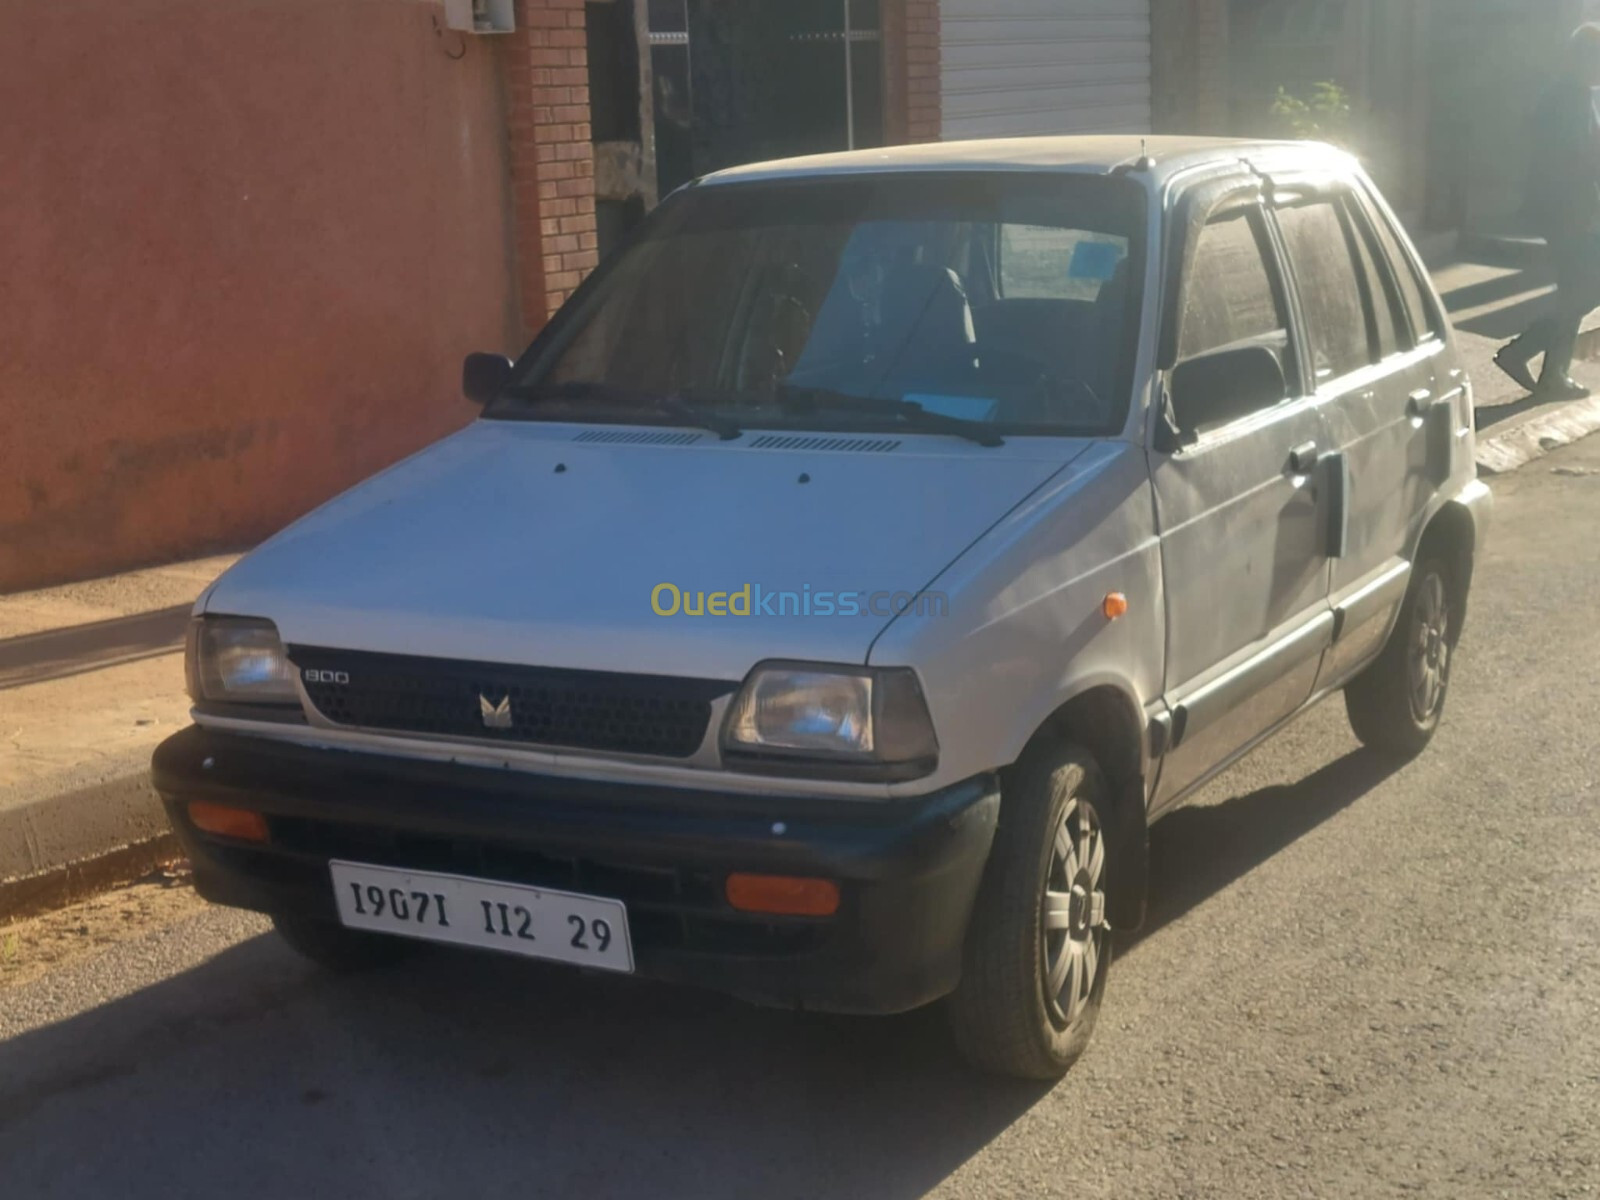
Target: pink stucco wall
pixel 243 247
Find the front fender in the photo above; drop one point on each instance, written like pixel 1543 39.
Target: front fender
pixel 1026 630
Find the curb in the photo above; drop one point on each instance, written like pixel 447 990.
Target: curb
pixel 1536 434
pixel 64 885
pixel 58 653
pixel 66 844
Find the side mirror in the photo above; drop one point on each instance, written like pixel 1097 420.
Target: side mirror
pixel 483 375
pixel 1216 388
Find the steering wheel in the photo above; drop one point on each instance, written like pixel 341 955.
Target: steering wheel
pixel 1035 372
pixel 1019 364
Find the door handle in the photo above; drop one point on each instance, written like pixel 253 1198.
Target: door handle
pixel 1303 458
pixel 1418 403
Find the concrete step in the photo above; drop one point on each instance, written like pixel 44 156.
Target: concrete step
pixel 1504 249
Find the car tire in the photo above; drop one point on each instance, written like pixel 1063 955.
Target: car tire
pixel 1032 984
pixel 1395 705
pixel 335 948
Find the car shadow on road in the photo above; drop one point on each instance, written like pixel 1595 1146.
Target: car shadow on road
pixel 1196 852
pixel 252 1075
pixel 474 1075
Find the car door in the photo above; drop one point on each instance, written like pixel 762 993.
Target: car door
pixel 1392 425
pixel 1243 531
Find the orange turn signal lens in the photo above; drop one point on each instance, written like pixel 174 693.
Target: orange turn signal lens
pixel 783 895
pixel 1114 606
pixel 228 822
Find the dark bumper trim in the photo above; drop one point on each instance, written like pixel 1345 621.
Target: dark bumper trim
pixel 909 868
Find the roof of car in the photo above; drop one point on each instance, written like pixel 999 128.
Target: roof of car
pixel 1083 155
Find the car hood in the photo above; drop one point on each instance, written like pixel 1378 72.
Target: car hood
pixel 543 544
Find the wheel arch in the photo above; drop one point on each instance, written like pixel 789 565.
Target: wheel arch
pixel 1452 534
pixel 1106 720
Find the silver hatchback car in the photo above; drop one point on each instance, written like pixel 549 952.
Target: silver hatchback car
pixel 831 598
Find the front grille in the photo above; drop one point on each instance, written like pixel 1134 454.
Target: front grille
pixel 669 908
pixel 577 710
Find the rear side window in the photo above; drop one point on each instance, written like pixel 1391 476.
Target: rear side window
pixel 1230 297
pixel 1420 310
pixel 1388 321
pixel 1330 289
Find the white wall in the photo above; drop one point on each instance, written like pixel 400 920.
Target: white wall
pixel 1045 66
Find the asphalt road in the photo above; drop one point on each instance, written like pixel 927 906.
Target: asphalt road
pixel 1355 983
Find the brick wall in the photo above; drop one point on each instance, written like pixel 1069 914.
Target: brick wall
pixel 912 110
pixel 552 158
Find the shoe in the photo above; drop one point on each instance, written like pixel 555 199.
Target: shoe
pixel 1563 389
pixel 1517 368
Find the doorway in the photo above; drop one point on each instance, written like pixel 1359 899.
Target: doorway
pixel 681 88
pixel 750 80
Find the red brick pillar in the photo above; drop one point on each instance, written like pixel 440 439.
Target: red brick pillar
pixel 552 158
pixel 912 110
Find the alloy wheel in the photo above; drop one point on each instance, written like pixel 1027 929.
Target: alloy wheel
pixel 1073 929
pixel 1429 660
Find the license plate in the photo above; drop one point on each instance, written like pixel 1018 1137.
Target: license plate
pixel 585 930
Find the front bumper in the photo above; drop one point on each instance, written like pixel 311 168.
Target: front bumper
pixel 908 869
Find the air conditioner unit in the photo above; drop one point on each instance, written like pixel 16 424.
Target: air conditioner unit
pixel 480 16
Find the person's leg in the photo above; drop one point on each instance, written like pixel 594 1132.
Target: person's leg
pixel 1558 358
pixel 1577 295
pixel 1515 356
pixel 1546 334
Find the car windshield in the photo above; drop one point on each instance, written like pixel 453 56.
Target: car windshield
pixel 1003 303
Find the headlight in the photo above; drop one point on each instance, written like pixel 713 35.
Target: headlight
pixel 238 660
pixel 873 724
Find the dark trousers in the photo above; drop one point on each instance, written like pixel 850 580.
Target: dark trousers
pixel 1555 335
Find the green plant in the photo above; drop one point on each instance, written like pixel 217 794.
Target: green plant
pixel 1324 116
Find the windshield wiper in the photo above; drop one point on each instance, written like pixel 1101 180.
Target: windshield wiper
pixel 795 399
pixel 673 406
pixel 684 413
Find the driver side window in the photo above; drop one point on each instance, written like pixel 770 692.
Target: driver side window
pixel 1231 299
pixel 1234 349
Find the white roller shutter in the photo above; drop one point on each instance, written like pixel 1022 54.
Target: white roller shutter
pixel 1013 67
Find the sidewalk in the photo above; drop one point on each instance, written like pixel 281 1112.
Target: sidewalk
pixel 91 679
pixel 91 674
